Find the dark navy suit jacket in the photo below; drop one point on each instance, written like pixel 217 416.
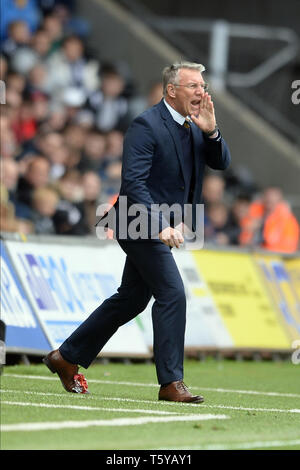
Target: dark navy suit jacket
pixel 153 168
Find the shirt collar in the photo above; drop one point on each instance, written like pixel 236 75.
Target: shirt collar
pixel 175 114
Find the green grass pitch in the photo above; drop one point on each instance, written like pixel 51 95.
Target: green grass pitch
pixel 248 405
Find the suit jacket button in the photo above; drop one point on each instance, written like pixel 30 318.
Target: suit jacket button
pixel 182 187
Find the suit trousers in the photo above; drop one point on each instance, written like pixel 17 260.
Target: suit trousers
pixel 150 270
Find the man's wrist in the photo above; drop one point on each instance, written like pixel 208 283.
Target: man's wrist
pixel 214 136
pixel 213 132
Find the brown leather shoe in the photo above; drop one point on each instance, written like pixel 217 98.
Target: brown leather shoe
pixel 67 372
pixel 178 391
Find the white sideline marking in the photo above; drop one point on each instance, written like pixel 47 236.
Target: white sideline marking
pixel 110 382
pixel 238 445
pixel 152 402
pixel 89 408
pixel 106 422
pixel 241 408
pixel 139 384
pixel 45 394
pixel 252 392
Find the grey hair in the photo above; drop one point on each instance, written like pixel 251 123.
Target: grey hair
pixel 170 73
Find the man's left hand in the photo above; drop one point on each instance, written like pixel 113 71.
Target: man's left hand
pixel 206 120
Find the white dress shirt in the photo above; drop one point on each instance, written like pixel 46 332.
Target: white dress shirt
pixel 180 119
pixel 175 114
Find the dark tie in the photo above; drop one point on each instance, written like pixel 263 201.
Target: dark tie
pixel 186 124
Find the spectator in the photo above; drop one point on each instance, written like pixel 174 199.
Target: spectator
pixel 52 145
pixel 112 178
pixel 69 67
pixel 36 176
pixel 213 189
pixel 25 58
pixel 9 175
pixel 15 81
pixel 10 171
pixel 61 162
pixel 239 219
pixel 110 107
pixel 25 127
pixel 91 183
pixel 13 100
pixel 40 108
pixel 41 44
pixel 114 145
pixel 75 137
pixel 44 203
pixel 49 142
pixel 57 118
pixel 272 224
pixel 69 216
pixel 18 10
pixel 18 36
pixel 93 152
pixel 217 230
pixel 70 186
pixel 8 220
pixel 55 31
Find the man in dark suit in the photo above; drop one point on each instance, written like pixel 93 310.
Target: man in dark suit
pixel 165 153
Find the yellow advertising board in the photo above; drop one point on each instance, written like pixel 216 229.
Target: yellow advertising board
pixel 282 279
pixel 242 299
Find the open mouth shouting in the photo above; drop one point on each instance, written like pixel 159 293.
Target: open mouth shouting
pixel 195 107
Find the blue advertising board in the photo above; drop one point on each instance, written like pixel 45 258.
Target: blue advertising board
pixel 23 331
pixel 66 283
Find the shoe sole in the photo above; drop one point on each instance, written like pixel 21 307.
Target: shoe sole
pixel 200 400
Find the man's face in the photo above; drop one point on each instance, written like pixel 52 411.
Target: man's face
pixel 73 50
pixel 186 97
pixel 38 173
pixel 112 85
pixel 271 197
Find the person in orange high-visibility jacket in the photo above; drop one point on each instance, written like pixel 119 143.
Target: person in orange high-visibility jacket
pixel 271 224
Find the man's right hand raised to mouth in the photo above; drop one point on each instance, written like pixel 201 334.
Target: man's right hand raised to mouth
pixel 171 237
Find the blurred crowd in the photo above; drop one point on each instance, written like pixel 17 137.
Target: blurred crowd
pixel 239 213
pixel 62 128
